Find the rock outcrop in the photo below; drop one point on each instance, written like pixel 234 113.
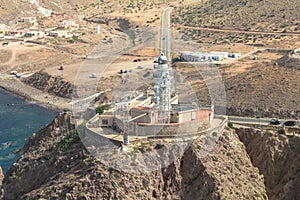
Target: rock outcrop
pixel 47 83
pixel 1 179
pixel 289 62
pixel 277 157
pixel 56 165
pixel 1 176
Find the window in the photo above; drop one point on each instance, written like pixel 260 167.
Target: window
pixel 104 122
pixel 193 117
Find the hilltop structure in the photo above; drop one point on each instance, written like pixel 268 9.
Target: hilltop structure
pixel 156 113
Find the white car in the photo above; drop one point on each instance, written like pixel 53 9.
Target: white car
pixel 93 75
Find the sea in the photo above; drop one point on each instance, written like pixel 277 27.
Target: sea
pixel 19 119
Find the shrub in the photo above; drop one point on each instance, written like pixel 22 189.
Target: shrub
pixel 230 125
pixel 281 131
pixel 215 134
pixel 66 142
pixel 100 109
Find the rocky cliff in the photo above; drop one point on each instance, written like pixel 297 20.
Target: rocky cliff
pixel 1 179
pixel 277 157
pixel 56 165
pixel 47 83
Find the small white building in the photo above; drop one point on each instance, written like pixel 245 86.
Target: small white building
pixel 68 24
pixel 216 53
pixel 34 34
pixel 28 19
pixel 193 57
pixel 106 119
pixel 60 33
pixel 98 29
pixel 296 51
pixel 203 56
pixel 3 27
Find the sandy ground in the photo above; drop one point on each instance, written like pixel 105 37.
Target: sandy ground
pixel 142 18
pixel 69 73
pixel 15 86
pixel 133 66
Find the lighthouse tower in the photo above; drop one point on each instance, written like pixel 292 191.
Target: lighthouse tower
pixel 162 89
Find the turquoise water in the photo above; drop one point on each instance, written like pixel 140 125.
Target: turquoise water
pixel 19 119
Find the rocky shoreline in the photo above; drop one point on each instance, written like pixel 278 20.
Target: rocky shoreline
pixel 16 87
pixel 55 164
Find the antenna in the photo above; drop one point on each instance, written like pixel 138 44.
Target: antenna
pixel 123 110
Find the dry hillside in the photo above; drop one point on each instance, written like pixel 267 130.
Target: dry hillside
pixel 277 158
pixel 10 11
pixel 213 21
pixel 56 165
pixel 265 89
pixel 258 15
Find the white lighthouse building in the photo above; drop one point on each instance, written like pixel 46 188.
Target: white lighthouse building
pixel 162 89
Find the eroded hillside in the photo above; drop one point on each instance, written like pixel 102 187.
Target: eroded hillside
pixel 52 85
pixel 255 15
pixel 264 89
pixel 278 160
pixel 55 164
pixel 11 11
pixel 243 21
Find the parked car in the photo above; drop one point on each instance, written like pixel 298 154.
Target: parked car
pixel 4 44
pixel 274 121
pixel 290 123
pixel 18 75
pixel 137 60
pixel 93 75
pixel 140 67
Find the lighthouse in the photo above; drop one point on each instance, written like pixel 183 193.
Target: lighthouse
pixel 162 89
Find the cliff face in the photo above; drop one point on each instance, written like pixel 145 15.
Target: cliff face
pixel 53 85
pixel 1 179
pixel 39 162
pixel 277 157
pixel 55 164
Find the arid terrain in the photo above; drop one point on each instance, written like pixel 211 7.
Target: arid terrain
pixel 245 163
pixel 64 169
pixel 253 88
pixel 55 164
pixel 259 22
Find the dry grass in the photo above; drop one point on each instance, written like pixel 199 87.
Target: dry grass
pixel 268 86
pixel 259 16
pixel 276 15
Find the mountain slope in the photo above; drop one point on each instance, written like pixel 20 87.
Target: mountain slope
pixel 278 160
pixel 55 164
pixel 258 15
pixel 12 10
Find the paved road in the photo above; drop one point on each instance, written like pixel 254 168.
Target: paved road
pixel 165 48
pixel 249 120
pixel 165 36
